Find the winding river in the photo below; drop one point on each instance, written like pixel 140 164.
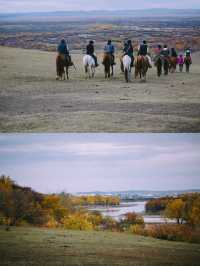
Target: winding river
pixel 124 207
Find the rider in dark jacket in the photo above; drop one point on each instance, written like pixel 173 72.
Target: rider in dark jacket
pixel 173 52
pixel 143 50
pixel 165 51
pixel 90 51
pixel 128 50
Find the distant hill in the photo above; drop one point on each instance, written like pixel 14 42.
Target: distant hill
pixel 68 15
pixel 141 195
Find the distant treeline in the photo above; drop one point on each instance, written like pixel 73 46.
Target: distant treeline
pixel 95 200
pixel 184 208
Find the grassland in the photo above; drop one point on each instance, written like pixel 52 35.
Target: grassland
pixel 31 100
pixel 33 246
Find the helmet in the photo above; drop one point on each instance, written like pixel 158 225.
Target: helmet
pixel 91 42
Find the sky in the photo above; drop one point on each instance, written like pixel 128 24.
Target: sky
pixel 52 163
pixel 51 5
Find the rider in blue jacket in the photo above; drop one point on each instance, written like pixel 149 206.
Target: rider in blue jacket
pixel 63 49
pixel 110 49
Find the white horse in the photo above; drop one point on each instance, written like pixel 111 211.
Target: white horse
pixel 127 67
pixel 89 65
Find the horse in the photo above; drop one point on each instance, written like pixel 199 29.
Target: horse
pixel 89 65
pixel 172 64
pixel 63 64
pixel 187 62
pixel 126 62
pixel 141 67
pixel 166 65
pixel 108 65
pixel 158 64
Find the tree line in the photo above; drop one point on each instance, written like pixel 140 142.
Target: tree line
pixel 184 208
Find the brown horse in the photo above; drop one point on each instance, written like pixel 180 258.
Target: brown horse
pixel 187 62
pixel 62 66
pixel 141 67
pixel 108 65
pixel 172 64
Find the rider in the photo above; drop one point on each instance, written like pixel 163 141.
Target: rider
pixel 180 62
pixel 173 52
pixel 143 51
pixel 63 50
pixel 165 51
pixel 110 49
pixel 188 54
pixel 128 50
pixel 158 51
pixel 90 51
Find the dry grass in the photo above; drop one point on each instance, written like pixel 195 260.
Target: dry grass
pixel 31 100
pixel 32 246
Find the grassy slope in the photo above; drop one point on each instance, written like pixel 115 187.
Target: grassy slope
pixel 32 246
pixel 31 100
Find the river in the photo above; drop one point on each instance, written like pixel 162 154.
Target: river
pixel 118 212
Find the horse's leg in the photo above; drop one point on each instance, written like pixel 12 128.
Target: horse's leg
pixel 105 72
pixel 126 73
pixel 64 74
pixel 112 71
pixel 108 72
pixel 86 71
pixel 67 72
pixel 122 67
pixel 93 71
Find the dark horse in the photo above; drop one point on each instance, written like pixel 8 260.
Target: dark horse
pixel 187 62
pixel 108 63
pixel 63 64
pixel 141 67
pixel 166 65
pixel 158 64
pixel 172 64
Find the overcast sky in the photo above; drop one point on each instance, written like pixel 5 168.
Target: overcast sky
pixel 52 5
pixel 88 162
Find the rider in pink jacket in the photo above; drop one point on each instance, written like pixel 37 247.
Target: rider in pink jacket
pixel 180 59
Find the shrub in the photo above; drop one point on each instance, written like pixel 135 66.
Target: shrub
pixel 129 219
pixel 172 232
pixel 77 222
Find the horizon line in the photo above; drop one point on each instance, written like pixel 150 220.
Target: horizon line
pixel 100 10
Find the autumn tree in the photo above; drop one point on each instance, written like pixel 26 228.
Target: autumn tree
pixel 175 210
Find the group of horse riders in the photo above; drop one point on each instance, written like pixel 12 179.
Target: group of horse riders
pixel 143 51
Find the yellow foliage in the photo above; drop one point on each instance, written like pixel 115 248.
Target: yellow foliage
pixel 175 209
pixel 77 222
pixel 195 213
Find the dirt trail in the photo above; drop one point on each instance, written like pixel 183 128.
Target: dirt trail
pixel 31 100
